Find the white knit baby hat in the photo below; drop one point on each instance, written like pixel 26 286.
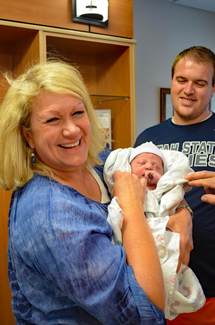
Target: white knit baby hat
pixel 148 147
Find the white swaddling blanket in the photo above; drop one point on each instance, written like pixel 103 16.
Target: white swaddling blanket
pixel 183 292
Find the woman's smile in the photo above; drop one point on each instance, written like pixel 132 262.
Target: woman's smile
pixel 70 145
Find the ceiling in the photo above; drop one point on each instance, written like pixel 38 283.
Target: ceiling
pixel 208 5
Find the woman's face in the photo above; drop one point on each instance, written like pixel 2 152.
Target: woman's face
pixel 60 131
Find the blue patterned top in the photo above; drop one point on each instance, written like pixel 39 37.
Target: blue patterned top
pixel 63 268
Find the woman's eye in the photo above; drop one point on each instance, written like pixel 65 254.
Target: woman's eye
pixel 78 112
pixel 53 119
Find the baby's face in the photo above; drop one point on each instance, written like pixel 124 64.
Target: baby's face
pixel 149 166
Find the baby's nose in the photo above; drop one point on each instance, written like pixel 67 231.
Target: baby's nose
pixel 148 166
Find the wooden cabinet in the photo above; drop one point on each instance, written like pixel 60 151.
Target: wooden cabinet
pixel 18 46
pixel 108 67
pixel 106 63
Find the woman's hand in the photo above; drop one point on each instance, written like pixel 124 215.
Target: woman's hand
pixel 207 180
pixel 181 222
pixel 129 189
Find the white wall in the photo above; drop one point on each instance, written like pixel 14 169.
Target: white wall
pixel 162 30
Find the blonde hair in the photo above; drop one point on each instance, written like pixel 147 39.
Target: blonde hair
pixel 53 76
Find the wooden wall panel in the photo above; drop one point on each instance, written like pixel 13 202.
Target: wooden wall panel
pixel 120 21
pixel 6 316
pixel 55 13
pixel 58 13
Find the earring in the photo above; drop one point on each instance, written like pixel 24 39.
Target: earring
pixel 33 159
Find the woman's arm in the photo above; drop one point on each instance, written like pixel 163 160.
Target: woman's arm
pixel 69 247
pixel 138 241
pixel 207 180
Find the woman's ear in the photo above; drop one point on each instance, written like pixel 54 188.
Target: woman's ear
pixel 27 135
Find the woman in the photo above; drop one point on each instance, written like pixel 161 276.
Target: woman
pixel 63 268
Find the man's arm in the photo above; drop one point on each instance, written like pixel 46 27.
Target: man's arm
pixel 181 222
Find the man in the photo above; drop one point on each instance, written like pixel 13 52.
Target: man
pixel 205 179
pixel 192 131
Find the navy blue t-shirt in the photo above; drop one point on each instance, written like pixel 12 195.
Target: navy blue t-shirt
pixel 197 141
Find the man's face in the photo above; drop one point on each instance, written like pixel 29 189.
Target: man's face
pixel 191 91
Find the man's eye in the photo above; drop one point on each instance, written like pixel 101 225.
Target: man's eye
pixel 200 84
pixel 181 81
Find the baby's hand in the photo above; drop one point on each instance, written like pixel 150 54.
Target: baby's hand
pixel 152 177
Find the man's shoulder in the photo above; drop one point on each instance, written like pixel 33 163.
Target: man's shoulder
pixel 212 118
pixel 153 133
pixel 160 126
